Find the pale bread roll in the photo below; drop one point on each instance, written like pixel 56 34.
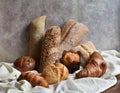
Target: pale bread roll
pixel 37 31
pixel 86 49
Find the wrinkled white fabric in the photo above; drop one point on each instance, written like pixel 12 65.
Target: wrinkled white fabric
pixel 112 57
pixel 8 73
pixel 9 84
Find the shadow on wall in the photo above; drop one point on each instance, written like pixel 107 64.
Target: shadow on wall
pixel 26 34
pixel 118 30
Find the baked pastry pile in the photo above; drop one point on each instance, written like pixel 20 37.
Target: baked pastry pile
pixel 57 52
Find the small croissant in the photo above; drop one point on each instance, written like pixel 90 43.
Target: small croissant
pixel 34 79
pixel 96 67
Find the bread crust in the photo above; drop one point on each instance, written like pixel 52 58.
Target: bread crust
pixel 55 73
pixel 24 63
pixel 96 67
pixel 34 78
pixel 73 38
pixel 50 47
pixel 37 32
pixel 66 28
pixel 71 60
pixel 86 49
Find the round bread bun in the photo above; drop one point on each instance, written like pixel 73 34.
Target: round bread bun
pixel 55 72
pixel 24 63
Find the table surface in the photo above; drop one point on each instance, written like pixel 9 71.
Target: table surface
pixel 115 88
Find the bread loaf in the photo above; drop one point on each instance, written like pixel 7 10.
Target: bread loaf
pixel 50 47
pixel 73 37
pixel 55 72
pixel 66 28
pixel 37 31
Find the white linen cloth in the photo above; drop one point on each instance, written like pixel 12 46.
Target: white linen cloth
pixel 9 84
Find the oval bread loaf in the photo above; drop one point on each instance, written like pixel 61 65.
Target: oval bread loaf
pixel 50 47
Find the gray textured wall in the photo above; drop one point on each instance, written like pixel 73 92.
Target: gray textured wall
pixel 101 16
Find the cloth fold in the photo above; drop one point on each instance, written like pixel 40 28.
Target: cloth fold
pixel 9 83
pixel 85 85
pixel 8 73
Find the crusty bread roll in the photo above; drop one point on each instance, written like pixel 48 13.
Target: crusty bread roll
pixel 24 63
pixel 86 49
pixel 34 78
pixel 71 60
pixel 55 72
pixel 96 67
pixel 50 47
pixel 73 37
pixel 37 31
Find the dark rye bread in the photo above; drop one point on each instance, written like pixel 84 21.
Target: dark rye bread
pixel 73 38
pixel 50 47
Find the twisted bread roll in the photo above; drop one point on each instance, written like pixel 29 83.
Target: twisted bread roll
pixel 96 67
pixel 50 47
pixel 55 72
pixel 37 31
pixel 34 79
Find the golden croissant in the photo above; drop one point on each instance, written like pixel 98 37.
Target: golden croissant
pixel 34 79
pixel 96 67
